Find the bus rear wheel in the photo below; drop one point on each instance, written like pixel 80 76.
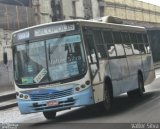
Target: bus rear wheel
pixel 140 89
pixel 138 92
pixel 49 115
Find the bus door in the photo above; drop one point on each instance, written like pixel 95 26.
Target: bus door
pixel 93 66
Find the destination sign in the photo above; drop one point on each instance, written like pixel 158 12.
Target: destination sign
pixel 23 35
pixel 53 29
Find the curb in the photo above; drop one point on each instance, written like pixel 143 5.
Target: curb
pixel 8 100
pixel 7 97
pixel 14 104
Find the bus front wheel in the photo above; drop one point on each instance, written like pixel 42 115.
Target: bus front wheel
pixel 50 115
pixel 108 97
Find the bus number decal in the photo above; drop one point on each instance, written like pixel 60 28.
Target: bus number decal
pixel 40 75
pixel 23 35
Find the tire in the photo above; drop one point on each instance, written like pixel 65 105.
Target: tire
pixel 49 115
pixel 108 99
pixel 140 89
pixel 138 92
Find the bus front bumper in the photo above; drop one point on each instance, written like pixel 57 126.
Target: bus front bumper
pixel 82 98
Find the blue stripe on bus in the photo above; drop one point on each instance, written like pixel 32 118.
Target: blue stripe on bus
pixel 78 99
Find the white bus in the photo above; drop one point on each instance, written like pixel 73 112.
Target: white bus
pixel 74 63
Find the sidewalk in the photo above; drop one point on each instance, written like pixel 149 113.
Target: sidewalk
pixel 7 91
pixel 6 80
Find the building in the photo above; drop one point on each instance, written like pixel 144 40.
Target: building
pixel 13 17
pixel 56 10
pixel 42 11
pixel 131 11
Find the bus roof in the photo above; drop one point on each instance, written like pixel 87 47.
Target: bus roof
pixel 88 23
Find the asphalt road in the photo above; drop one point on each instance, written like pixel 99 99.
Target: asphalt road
pixel 125 110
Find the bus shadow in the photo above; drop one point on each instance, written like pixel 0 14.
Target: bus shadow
pixel 121 105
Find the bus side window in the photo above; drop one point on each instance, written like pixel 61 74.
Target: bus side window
pixel 92 55
pixel 118 44
pixel 128 49
pixel 126 43
pixel 108 40
pixel 135 43
pixel 111 50
pixel 146 43
pixel 89 41
pixel 140 43
pixel 99 44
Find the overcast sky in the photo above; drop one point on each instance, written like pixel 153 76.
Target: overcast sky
pixel 156 2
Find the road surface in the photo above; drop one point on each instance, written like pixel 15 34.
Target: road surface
pixel 125 110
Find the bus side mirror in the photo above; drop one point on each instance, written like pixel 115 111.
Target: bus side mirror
pixel 5 58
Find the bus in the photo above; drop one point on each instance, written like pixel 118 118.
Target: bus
pixel 74 63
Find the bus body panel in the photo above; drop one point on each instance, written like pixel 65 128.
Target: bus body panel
pixel 123 72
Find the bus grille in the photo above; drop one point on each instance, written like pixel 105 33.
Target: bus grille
pixel 54 95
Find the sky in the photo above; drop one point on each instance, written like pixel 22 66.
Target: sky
pixel 155 2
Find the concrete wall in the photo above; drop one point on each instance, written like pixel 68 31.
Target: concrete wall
pixel 6 71
pixel 42 11
pixel 126 9
pixel 5 43
pixel 132 10
pixel 95 9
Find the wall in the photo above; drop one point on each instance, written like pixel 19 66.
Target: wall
pixel 42 11
pixel 5 43
pixel 132 10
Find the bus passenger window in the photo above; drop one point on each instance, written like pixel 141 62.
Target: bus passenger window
pixel 148 48
pixel 125 37
pixel 108 41
pixel 107 37
pixel 99 44
pixel 91 49
pixel 101 51
pixel 118 43
pixel 145 41
pixel 93 55
pixel 133 37
pixel 136 49
pixel 128 49
pixel 111 50
pixel 117 37
pixel 142 49
pixel 119 49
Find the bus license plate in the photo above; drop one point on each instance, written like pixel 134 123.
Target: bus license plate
pixel 52 103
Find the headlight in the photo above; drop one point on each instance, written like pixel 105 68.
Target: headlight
pixel 82 87
pixel 22 96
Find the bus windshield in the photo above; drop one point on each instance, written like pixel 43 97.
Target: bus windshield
pixel 49 60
